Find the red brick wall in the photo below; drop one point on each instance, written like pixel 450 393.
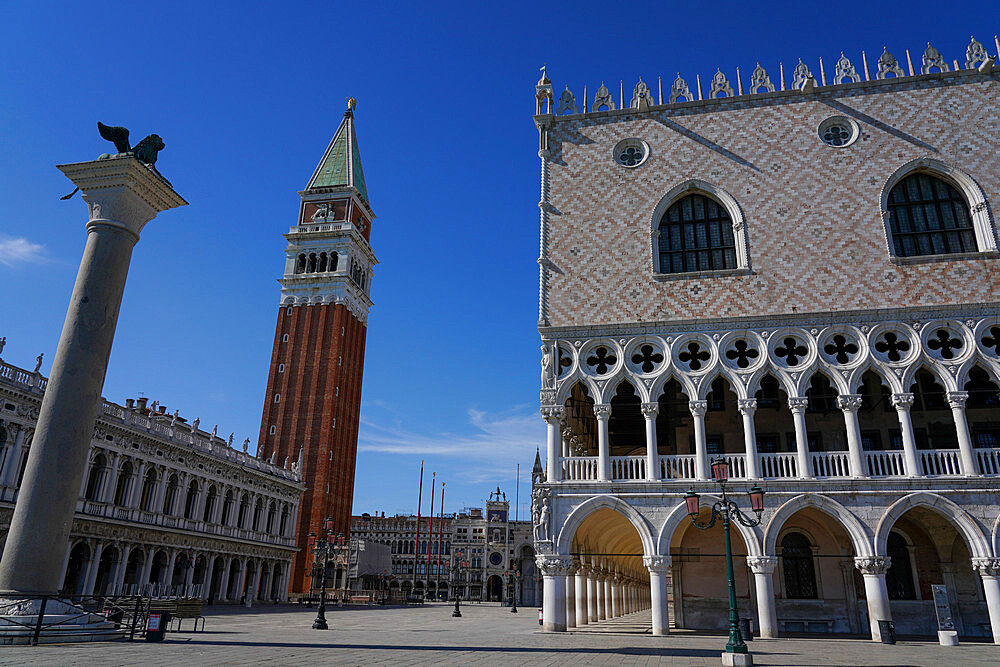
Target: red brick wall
pixel 325 351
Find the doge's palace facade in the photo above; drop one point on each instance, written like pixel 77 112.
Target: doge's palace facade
pixel 800 276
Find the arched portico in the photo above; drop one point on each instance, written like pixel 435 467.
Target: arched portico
pixel 857 531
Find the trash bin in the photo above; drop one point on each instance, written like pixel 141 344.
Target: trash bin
pixel 156 625
pixel 745 630
pixel 888 631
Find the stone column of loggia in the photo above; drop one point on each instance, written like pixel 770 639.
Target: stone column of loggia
pixel 747 407
pixel 593 585
pixel 571 621
pixel 698 410
pixel 649 412
pixel 966 458
pixel 903 403
pixel 989 570
pixel 873 569
pixel 850 403
pixel 554 569
pixel 122 194
pixel 580 585
pixel 553 416
pixel 659 567
pixel 616 595
pixel 603 413
pixel 608 608
pixel 767 618
pixel 798 405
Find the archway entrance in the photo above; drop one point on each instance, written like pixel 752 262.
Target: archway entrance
pixel 105 570
pixel 78 557
pixel 494 589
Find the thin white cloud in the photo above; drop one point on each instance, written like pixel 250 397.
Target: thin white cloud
pixel 493 444
pixel 19 251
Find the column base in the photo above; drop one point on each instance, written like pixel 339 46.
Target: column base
pixel 737 660
pixel 63 622
pixel 948 637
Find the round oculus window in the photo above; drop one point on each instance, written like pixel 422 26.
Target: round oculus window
pixel 495 558
pixel 631 152
pixel 838 131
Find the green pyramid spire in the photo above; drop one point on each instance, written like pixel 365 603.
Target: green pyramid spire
pixel 341 163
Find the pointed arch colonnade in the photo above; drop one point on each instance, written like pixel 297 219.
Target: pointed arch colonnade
pixel 819 562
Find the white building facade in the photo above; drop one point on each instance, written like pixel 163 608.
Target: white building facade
pixel 165 507
pixel 800 278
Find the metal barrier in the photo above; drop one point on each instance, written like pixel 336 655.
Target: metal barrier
pixel 127 613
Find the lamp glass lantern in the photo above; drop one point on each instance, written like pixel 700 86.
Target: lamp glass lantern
pixel 720 469
pixel 692 502
pixel 312 539
pixel 757 499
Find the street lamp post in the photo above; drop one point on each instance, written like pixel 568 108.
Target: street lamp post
pixel 517 580
pixel 456 573
pixel 321 548
pixel 728 510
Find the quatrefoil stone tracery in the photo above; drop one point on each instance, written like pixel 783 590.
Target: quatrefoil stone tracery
pixel 742 353
pixel 944 343
pixel 991 341
pixel 893 346
pixel 694 356
pixel 791 350
pixel 647 358
pixel 602 360
pixel 841 348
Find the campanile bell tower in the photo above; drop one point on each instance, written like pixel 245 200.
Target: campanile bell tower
pixel 313 399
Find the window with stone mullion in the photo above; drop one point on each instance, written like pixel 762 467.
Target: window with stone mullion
pixel 929 217
pixel 696 234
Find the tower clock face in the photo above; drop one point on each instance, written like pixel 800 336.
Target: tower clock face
pixel 496 558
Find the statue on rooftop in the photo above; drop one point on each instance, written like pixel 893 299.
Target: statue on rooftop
pixel 3 343
pixel 145 151
pixel 38 361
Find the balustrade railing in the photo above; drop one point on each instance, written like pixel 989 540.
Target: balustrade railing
pixel 677 466
pixel 628 467
pixel 830 464
pixel 580 468
pixel 887 463
pixel 989 461
pixel 778 466
pixel 939 461
pixel 737 465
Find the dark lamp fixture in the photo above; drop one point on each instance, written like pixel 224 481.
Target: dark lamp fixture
pixel 757 499
pixel 329 524
pixel 312 539
pixel 691 499
pixel 720 469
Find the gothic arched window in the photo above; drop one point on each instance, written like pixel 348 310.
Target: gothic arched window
pixel 927 216
pixel 171 495
pixel 98 469
pixel 899 578
pixel 797 566
pixel 191 502
pixel 696 234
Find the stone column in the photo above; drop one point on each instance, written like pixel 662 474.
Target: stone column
pixel 659 567
pixel 111 479
pixel 553 415
pixel 95 565
pixel 602 606
pixel 147 568
pixel 798 405
pixel 124 551
pixel 580 588
pixel 747 407
pixel 698 410
pixel 873 569
pixel 966 457
pixel 593 585
pixel 571 621
pixel 554 569
pixel 903 403
pixel 608 595
pixel 135 493
pixel 850 403
pixel 171 562
pixel 224 584
pixel 989 570
pixel 763 569
pixel 603 413
pixel 123 195
pixel 14 458
pixel 616 595
pixel 189 576
pixel 649 412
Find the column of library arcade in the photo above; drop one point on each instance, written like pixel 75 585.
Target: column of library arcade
pixel 164 508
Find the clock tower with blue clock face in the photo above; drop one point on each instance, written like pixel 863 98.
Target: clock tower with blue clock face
pixel 499 544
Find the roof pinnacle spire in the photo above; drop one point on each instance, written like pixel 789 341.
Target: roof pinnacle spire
pixel 340 166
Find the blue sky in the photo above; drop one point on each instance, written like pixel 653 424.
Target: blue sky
pixel 246 96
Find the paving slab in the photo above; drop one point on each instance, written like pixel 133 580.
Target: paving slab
pixel 485 635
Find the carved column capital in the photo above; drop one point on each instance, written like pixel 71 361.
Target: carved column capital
pixel 650 409
pixel 698 408
pixel 552 565
pixel 849 402
pixel 574 567
pixel 657 564
pixel 872 564
pixel 762 564
pixel 602 411
pixel 553 413
pixel 747 405
pixel 798 404
pixel 902 402
pixel 987 567
pixel 957 399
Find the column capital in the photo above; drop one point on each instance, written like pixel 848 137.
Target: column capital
pixel 650 409
pixel 122 192
pixel 552 565
pixel 574 567
pixel 762 564
pixel 798 404
pixel 957 399
pixel 902 402
pixel 872 564
pixel 602 411
pixel 747 405
pixel 553 413
pixel 657 564
pixel 698 408
pixel 987 567
pixel 849 402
